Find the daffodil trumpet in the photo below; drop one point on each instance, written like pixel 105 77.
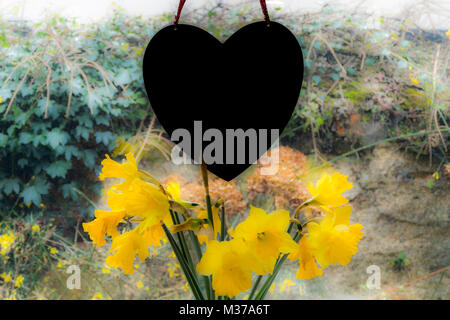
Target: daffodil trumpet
pixel 217 262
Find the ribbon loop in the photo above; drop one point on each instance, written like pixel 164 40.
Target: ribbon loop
pixel 262 3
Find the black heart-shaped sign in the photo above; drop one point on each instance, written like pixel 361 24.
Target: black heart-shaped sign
pixel 222 93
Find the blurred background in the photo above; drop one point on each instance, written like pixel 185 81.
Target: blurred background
pixel 374 106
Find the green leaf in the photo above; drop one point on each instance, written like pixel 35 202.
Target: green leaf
pixel 83 132
pixel 31 194
pixel 104 137
pixel 124 77
pixel 25 138
pixel 58 168
pixel 351 71
pixel 3 139
pixel 22 162
pixel 40 139
pixel 316 79
pixel 89 157
pixel 71 151
pixel 10 185
pixel 334 76
pixel 56 138
pixel 69 192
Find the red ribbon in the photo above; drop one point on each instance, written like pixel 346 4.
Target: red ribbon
pixel 182 2
pixel 180 7
pixel 264 10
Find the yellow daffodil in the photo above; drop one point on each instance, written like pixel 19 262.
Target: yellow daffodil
pixel 53 250
pixel 286 284
pixel 6 277
pixel 153 234
pixel 174 190
pixel 139 285
pixel 6 240
pixel 135 198
pixel 334 240
pixel 127 171
pixel 105 223
pixel 328 190
pixel 228 265
pixel 206 233
pixel 172 268
pixel 106 270
pixel 308 268
pixel 414 81
pixel 35 228
pixel 126 246
pixel 98 296
pixel 19 281
pixel 141 199
pixel 265 237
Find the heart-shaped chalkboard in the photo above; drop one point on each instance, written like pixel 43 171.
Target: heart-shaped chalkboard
pixel 251 81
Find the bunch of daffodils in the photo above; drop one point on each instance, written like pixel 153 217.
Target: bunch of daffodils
pixel 220 263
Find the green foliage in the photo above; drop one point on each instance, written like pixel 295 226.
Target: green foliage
pixel 26 257
pixel 400 262
pixel 66 92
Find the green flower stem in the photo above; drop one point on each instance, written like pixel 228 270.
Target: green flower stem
pixel 223 229
pixel 255 286
pixel 213 294
pixel 182 240
pixel 208 198
pixel 193 283
pixel 265 288
pixel 196 244
pixel 184 245
pixel 198 251
pixel 210 214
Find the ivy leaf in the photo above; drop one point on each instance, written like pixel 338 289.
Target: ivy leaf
pixel 102 120
pixel 68 191
pixel 25 138
pixel 71 151
pixel 22 162
pixel 334 76
pixel 83 132
pixel 56 138
pixel 10 185
pixel 316 79
pixel 58 168
pixel 351 71
pixel 3 140
pixel 40 139
pixel 123 77
pixel 31 194
pixel 104 137
pixel 89 156
pixel 369 61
